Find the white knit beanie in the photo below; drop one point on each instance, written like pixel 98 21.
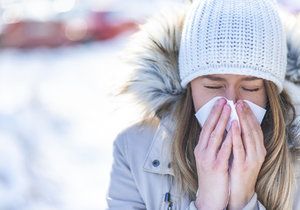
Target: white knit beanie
pixel 244 37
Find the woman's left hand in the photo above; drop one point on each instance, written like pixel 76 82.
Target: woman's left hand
pixel 248 156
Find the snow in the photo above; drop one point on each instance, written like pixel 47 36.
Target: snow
pixel 57 124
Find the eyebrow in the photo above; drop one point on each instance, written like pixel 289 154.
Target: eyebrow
pixel 215 78
pixel 251 78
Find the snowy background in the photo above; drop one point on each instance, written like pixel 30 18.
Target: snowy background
pixel 57 124
pixel 58 118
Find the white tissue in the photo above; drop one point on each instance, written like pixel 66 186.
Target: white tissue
pixel 203 113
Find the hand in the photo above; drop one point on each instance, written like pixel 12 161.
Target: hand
pixel 212 160
pixel 248 156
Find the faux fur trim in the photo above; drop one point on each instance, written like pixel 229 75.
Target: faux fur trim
pixel 153 55
pixel 292 25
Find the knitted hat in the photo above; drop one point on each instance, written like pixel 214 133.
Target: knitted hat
pixel 244 37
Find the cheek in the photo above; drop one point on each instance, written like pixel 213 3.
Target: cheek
pixel 263 100
pixel 201 97
pixel 259 98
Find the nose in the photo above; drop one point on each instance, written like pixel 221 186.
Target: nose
pixel 231 94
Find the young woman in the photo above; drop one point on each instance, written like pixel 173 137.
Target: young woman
pixel 230 49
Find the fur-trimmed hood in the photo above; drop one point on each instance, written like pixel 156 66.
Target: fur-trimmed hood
pixel 153 55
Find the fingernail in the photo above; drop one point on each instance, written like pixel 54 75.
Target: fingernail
pixel 227 107
pixel 240 105
pixel 221 101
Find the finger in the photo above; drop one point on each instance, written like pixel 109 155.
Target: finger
pixel 217 134
pixel 246 131
pixel 257 133
pixel 238 147
pixel 225 151
pixel 211 122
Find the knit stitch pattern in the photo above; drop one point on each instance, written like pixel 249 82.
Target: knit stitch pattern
pixel 244 37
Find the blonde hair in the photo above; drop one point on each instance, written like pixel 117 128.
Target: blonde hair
pixel 274 185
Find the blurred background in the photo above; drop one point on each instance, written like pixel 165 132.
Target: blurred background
pixel 59 65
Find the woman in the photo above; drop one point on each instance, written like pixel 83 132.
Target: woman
pixel 234 50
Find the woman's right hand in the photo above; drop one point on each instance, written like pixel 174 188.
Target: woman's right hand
pixel 212 160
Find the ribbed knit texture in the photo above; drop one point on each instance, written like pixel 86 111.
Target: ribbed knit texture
pixel 244 37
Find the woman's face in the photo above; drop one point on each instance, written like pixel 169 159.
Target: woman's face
pixel 232 87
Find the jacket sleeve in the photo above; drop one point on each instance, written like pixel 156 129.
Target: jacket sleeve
pixel 122 191
pixel 253 204
pixel 297 195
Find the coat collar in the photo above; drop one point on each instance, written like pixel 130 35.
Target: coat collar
pixel 158 159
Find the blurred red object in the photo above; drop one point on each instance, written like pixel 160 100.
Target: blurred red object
pixel 30 34
pixel 27 34
pixel 102 26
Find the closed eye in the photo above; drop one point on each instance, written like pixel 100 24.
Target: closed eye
pixel 213 87
pixel 251 90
